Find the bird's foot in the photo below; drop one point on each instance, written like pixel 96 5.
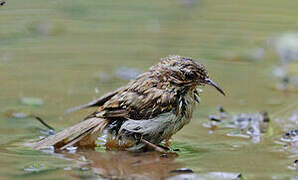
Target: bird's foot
pixel 167 143
pixel 155 147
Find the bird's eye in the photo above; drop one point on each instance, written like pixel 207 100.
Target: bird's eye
pixel 190 75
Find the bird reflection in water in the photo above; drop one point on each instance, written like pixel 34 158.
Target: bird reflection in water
pixel 126 165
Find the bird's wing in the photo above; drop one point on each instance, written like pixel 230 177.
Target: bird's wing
pixel 143 98
pixel 97 102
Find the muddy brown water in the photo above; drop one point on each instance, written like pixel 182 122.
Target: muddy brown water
pixel 67 53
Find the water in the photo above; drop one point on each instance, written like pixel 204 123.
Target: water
pixel 67 52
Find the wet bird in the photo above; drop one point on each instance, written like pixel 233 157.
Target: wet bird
pixel 143 113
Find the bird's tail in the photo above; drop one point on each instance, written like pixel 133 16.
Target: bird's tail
pixel 82 134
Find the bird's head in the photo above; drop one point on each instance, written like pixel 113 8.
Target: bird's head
pixel 184 72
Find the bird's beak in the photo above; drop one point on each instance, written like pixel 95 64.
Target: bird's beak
pixel 211 83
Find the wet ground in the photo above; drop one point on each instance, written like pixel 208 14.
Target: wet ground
pixel 59 54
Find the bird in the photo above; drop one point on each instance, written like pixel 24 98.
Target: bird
pixel 140 115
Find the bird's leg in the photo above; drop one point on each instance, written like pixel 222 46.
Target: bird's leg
pixel 155 147
pixel 167 142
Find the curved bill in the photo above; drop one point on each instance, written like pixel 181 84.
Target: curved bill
pixel 211 83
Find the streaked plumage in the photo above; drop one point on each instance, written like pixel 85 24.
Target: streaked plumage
pixel 153 107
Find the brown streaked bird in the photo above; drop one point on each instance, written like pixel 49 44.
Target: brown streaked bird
pixel 143 113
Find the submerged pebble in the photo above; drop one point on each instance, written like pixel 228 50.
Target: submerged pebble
pixel 224 175
pixel 84 168
pixel 182 170
pixel 67 168
pixel 286 47
pixel 289 123
pixel 15 114
pixel 32 101
pixel 291 137
pixel 279 71
pixel 187 177
pixel 294 118
pixel 2 3
pixel 19 115
pixel 294 166
pixel 288 83
pixel 287 78
pixel 246 125
pixel 210 175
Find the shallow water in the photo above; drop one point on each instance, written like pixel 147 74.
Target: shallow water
pixel 67 53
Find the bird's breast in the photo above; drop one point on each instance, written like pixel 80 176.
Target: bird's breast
pixel 164 125
pixel 186 105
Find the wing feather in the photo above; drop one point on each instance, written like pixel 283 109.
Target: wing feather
pixel 97 102
pixel 142 99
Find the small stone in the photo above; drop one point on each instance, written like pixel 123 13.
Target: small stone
pixel 286 47
pixel 291 136
pixel 19 115
pixel 84 168
pixel 182 170
pixel 279 72
pixel 2 3
pixel 67 168
pixel 187 176
pixel 224 175
pixel 32 101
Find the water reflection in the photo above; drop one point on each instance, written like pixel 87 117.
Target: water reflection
pixel 126 165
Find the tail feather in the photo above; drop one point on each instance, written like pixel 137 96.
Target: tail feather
pixel 83 131
pixel 76 139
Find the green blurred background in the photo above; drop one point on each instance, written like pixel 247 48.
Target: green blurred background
pixel 66 53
